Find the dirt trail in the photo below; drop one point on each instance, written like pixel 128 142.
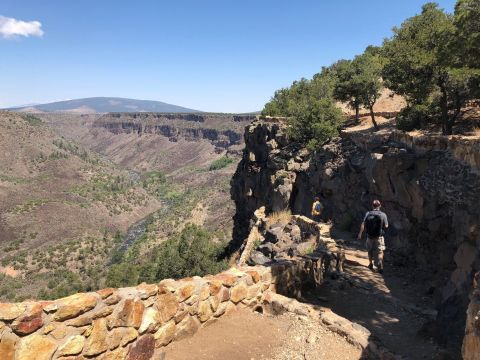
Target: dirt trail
pixel 247 335
pixel 392 306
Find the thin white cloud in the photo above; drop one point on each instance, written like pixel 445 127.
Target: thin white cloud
pixel 10 28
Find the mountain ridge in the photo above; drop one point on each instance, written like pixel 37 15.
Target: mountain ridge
pixel 104 104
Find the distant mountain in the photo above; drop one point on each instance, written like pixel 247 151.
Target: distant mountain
pixel 23 105
pixel 104 105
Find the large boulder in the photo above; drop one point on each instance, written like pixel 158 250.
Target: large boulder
pixel 274 234
pixel 294 232
pixel 257 258
pixel 267 249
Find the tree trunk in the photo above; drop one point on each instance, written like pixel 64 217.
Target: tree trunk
pixel 372 114
pixel 357 114
pixel 458 109
pixel 447 126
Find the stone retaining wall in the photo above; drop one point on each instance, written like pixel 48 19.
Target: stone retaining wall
pixel 254 236
pixel 334 254
pixel 135 323
pixel 464 149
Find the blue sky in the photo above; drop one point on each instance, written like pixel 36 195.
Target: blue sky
pixel 209 55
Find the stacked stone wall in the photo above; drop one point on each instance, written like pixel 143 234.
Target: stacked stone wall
pixel 464 149
pixel 137 322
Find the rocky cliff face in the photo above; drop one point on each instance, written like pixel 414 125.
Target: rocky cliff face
pixel 223 131
pixel 430 194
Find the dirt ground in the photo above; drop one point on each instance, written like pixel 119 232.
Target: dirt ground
pixel 468 125
pixel 247 335
pixel 393 306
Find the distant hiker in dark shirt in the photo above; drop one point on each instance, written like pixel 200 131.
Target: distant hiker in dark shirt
pixel 374 223
pixel 317 209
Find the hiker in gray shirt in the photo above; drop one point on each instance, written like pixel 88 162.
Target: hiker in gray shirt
pixel 375 222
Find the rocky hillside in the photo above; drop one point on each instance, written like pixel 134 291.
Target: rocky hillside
pixel 118 182
pixel 429 189
pixel 182 146
pixel 61 207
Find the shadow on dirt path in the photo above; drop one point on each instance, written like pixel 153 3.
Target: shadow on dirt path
pixel 392 307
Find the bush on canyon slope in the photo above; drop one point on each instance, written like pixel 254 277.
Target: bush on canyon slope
pixel 191 252
pixel 220 163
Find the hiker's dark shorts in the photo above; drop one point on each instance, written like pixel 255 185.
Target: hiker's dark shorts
pixel 375 244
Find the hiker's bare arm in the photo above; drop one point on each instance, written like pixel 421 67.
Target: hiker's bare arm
pixel 362 227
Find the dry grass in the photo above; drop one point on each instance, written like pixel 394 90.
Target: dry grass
pixel 282 217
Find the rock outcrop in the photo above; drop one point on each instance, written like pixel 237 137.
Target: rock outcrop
pixel 136 323
pixel 429 192
pixel 223 131
pixel 290 237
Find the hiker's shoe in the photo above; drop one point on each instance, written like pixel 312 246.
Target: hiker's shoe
pixel 370 266
pixel 380 267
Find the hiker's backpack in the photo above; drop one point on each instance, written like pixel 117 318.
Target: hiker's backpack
pixel 373 225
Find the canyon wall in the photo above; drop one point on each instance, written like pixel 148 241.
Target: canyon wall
pixel 136 323
pixel 430 193
pixel 223 131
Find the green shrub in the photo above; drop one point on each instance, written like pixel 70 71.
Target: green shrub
pixel 124 274
pixel 220 163
pixel 56 155
pixel 310 107
pixel 413 117
pixel 257 243
pixel 9 287
pixel 308 250
pixel 314 122
pixel 32 120
pixel 153 178
pixel 190 253
pixel 62 283
pixel 28 206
